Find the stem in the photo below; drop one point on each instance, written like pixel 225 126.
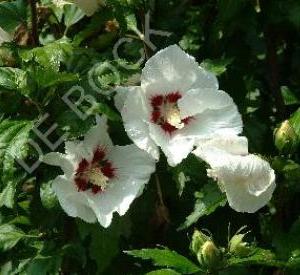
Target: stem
pixel 273 70
pixel 164 212
pixel 146 48
pixel 159 191
pixel 34 24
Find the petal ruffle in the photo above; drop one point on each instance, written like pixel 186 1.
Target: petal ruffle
pixel 171 70
pixel 248 181
pixel 196 101
pixel 211 123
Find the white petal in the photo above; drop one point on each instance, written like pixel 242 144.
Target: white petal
pixel 171 70
pixel 232 144
pixel 58 159
pixel 121 95
pixel 211 123
pixel 135 116
pixel 196 101
pixel 176 147
pixel 4 36
pixel 248 180
pixel 133 170
pixel 98 136
pixel 72 201
pixel 76 151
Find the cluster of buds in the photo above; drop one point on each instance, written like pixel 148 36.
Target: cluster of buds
pixel 212 257
pixel 207 253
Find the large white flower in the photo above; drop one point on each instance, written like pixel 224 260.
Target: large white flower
pixel 99 178
pixel 248 180
pixel 4 36
pixel 177 104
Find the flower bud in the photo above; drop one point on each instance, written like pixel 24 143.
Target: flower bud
pixel 209 256
pixel 198 241
pixel 286 139
pixel 238 247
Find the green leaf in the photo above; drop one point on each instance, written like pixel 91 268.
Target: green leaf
pixel 163 272
pixel 49 56
pixel 14 135
pixel 289 97
pixel 258 256
pixel 295 122
pixel 104 243
pixel 46 78
pixel 164 257
pixel 208 200
pixel 218 66
pixel 73 14
pixel 14 79
pixel 12 14
pixel 48 196
pixel 7 195
pixel 10 235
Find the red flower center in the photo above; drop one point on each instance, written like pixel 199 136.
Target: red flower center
pixel 96 174
pixel 165 112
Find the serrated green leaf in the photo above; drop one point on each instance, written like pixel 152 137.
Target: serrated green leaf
pixel 7 195
pixel 48 196
pixel 49 56
pixel 12 14
pixel 10 235
pixel 14 79
pixel 258 256
pixel 218 66
pixel 164 257
pixel 14 135
pixel 46 78
pixel 163 272
pixel 289 97
pixel 208 200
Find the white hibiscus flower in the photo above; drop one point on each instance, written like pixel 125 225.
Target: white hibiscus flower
pixel 4 36
pixel 247 180
pixel 99 178
pixel 177 105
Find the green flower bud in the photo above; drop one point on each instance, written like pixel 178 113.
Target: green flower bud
pixel 286 139
pixel 198 241
pixel 209 256
pixel 238 247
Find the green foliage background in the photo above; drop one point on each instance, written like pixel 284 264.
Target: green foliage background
pixel 253 47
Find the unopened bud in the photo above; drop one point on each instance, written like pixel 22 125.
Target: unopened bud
pixel 198 241
pixel 238 247
pixel 286 139
pixel 209 256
